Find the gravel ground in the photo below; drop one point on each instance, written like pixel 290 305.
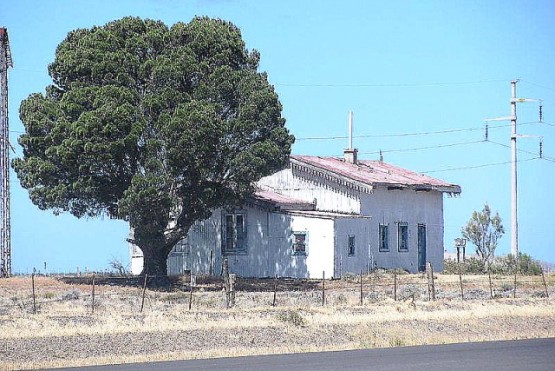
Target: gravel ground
pixel 66 333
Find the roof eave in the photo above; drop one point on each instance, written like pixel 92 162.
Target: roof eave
pixel 340 179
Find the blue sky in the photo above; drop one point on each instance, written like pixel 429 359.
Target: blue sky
pixel 403 67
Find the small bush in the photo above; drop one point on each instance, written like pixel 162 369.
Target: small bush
pixel 504 265
pixel 468 266
pixel 397 342
pixel 341 299
pixel 71 295
pixel 292 317
pixel 507 287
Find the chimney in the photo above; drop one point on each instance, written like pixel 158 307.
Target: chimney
pixel 350 154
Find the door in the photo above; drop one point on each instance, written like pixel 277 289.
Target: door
pixel 421 247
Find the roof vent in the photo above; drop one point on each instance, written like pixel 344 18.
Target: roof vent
pixel 350 154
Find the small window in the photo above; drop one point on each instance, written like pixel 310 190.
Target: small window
pixel 299 243
pixel 181 247
pixel 234 233
pixel 351 246
pixel 403 237
pixel 384 237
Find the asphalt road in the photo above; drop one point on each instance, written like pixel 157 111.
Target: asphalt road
pixel 528 355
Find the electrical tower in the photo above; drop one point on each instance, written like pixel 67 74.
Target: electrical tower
pixel 5 237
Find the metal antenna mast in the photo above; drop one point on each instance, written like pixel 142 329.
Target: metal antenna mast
pixel 5 235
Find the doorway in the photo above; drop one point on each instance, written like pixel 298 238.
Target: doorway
pixel 421 247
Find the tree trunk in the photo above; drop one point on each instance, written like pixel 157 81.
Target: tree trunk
pixel 155 261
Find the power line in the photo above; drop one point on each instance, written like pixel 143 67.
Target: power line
pixel 386 85
pixel 538 85
pixel 447 131
pixel 547 158
pixel 476 166
pixel 422 148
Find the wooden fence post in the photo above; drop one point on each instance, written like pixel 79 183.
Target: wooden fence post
pixel 490 284
pixel 461 282
pixel 34 296
pixel 144 293
pixel 323 288
pixel 361 294
pixel 394 286
pixel 514 290
pixel 225 273
pixel 428 279
pixel 92 301
pixel 545 285
pixel 431 283
pixel 232 279
pixel 191 284
pixel 275 290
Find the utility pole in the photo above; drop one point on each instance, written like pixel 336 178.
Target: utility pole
pixel 514 188
pixel 514 174
pixel 5 235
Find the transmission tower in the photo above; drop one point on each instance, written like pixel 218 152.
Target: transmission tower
pixel 5 248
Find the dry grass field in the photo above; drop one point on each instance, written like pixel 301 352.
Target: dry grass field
pixel 67 330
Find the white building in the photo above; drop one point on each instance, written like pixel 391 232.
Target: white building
pixel 322 214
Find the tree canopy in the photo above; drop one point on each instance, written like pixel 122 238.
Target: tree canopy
pixel 151 124
pixel 484 230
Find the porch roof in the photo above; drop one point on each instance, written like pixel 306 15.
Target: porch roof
pixel 280 202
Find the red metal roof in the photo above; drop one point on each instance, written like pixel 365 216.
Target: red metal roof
pixel 376 173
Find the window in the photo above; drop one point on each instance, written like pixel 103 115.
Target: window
pixel 384 237
pixel 299 243
pixel 351 246
pixel 234 233
pixel 181 247
pixel 403 237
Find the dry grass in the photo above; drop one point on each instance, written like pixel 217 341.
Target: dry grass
pixel 65 332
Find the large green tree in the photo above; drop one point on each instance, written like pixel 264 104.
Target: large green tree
pixel 484 230
pixel 151 124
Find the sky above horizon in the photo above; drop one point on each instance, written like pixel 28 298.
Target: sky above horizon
pixel 420 77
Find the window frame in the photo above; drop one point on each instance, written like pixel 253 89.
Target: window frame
pixel 294 250
pixel 233 241
pixel 402 247
pixel 181 247
pixel 351 247
pixel 383 240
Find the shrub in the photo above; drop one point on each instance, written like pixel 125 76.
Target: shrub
pixel 292 317
pixel 71 295
pixel 504 265
pixel 469 266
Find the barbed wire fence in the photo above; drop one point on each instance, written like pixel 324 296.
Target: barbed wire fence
pixel 198 292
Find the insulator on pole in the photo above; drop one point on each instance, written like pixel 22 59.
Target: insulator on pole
pixel 381 156
pixel 486 135
pixel 541 148
pixel 541 113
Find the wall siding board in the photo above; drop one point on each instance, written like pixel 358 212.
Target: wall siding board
pixel 308 187
pixel 270 233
